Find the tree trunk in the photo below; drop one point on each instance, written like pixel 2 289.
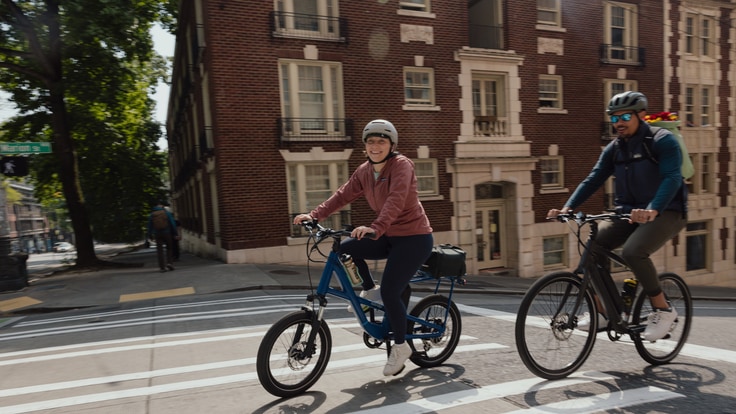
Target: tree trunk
pixel 63 148
pixel 63 145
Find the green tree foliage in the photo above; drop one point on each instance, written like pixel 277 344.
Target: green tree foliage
pixel 80 73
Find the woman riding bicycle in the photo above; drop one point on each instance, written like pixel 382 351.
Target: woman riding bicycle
pixel 649 185
pixel 400 233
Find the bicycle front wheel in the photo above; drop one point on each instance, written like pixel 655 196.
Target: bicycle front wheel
pixel 546 338
pixel 438 310
pixel 666 349
pixel 288 363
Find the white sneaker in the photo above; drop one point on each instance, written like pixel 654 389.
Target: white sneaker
pixel 659 323
pixel 399 354
pixel 373 295
pixel 584 321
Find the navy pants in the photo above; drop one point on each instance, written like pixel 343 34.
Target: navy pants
pixel 404 255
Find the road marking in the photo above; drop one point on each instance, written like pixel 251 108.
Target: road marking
pixel 186 385
pixel 17 303
pixel 173 318
pixel 159 308
pixel 157 294
pixel 592 404
pixel 333 364
pixel 602 402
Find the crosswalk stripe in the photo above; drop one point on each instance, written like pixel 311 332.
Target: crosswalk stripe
pixel 592 404
pixel 187 385
pixel 602 402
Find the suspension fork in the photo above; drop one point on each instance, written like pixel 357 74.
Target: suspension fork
pixel 315 323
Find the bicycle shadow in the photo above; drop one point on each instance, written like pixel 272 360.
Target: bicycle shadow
pixel 298 404
pixel 683 380
pixel 381 392
pixel 394 390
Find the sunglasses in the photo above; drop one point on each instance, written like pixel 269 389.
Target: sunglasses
pixel 625 117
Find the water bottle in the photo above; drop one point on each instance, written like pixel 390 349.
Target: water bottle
pixel 351 269
pixel 627 296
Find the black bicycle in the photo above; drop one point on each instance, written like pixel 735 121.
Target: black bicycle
pixel 294 352
pixel 547 335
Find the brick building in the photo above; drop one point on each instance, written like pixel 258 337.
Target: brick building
pixel 499 103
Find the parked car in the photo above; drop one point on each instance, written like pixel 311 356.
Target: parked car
pixel 62 247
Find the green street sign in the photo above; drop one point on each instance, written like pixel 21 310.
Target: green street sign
pixel 25 148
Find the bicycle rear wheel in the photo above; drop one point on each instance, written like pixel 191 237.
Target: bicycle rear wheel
pixel 546 341
pixel 439 310
pixel 287 363
pixel 666 349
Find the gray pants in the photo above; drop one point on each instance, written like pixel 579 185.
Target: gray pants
pixel 639 242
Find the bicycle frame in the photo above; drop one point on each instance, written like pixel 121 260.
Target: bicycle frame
pixel 382 330
pixel 600 280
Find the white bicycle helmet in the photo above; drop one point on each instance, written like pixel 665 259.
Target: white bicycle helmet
pixel 381 128
pixel 629 100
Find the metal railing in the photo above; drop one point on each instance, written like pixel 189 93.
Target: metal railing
pixel 308 26
pixel 314 129
pixel 626 55
pixel 489 126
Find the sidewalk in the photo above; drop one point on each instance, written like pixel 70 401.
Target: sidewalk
pixel 197 276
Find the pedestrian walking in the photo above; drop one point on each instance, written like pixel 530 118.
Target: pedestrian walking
pixel 162 229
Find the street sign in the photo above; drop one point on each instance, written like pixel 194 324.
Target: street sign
pixel 25 148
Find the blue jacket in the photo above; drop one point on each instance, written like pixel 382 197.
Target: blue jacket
pixel 643 180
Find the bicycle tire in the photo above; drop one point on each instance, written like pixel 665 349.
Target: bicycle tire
pixel 665 350
pixel 546 345
pixel 284 369
pixel 432 352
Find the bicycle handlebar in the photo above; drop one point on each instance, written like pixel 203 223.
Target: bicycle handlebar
pixel 324 232
pixel 582 218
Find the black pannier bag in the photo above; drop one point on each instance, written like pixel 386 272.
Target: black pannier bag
pixel 445 260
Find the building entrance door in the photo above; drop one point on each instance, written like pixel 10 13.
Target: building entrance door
pixel 489 233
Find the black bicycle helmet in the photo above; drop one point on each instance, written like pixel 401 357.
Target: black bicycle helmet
pixel 629 100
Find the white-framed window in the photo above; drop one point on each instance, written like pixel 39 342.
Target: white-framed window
pixel 699 35
pixel 548 13
pixel 550 91
pixel 612 87
pixel 621 33
pixel 427 180
pixel 415 5
pixel 699 104
pixel 697 245
pixel 418 86
pixel 311 183
pixel 311 98
pixel 489 105
pixel 703 182
pixel 307 18
pixel 554 251
pixel 552 170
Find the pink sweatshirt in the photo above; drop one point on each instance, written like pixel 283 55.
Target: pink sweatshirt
pixel 393 196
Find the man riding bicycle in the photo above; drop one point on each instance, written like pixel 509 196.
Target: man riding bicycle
pixel 650 186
